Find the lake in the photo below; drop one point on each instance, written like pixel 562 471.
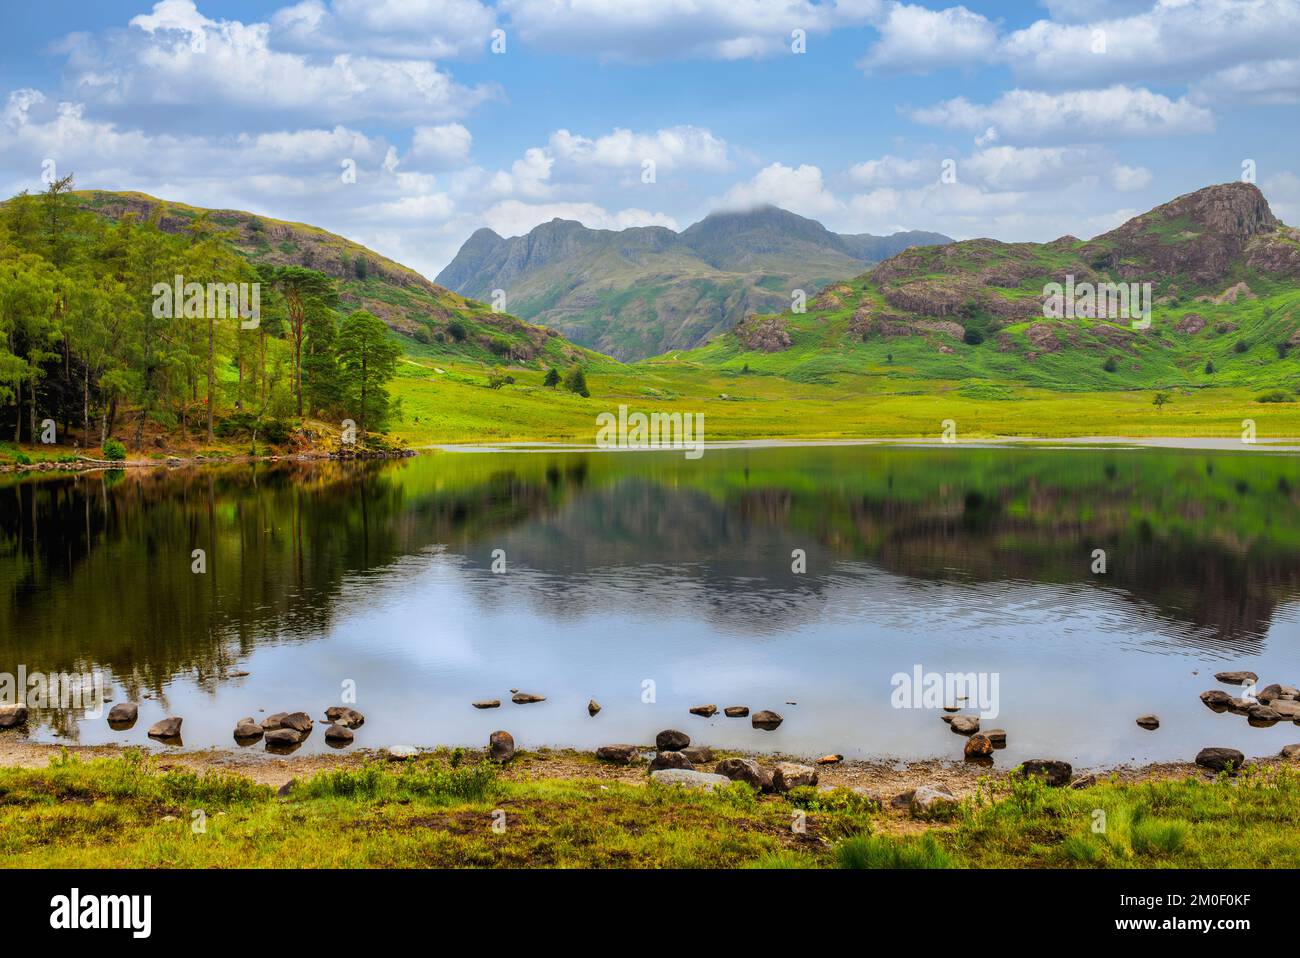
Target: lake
pixel 654 583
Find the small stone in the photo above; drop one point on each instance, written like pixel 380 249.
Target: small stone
pixel 298 721
pixel 998 736
pixel 12 716
pixel 488 704
pixel 766 720
pixel 524 698
pixel 689 778
pixel 830 760
pixel 592 707
pixel 979 746
pixel 166 728
pixel 926 801
pixel 671 740
pixel 501 746
pixel 736 711
pixel 338 735
pixel 1286 708
pixel 619 754
pixel 123 713
pixel 247 732
pixel 1054 773
pixel 1217 699
pixel 698 754
pixel 1084 781
pixel 1236 678
pixel 708 711
pixel 1261 716
pixel 283 737
pixel 788 775
pixel 966 724
pixel 400 753
pixel 1241 706
pixel 273 721
pixel 745 770
pixel 670 760
pixel 1150 722
pixel 1219 759
pixel 1291 752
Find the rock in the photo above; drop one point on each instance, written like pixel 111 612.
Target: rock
pixel 501 746
pixel 523 698
pixel 1236 678
pixel 671 740
pixel 1084 781
pixel 12 716
pixel 689 778
pixel 830 759
pixel 1216 699
pixel 400 753
pixel 736 711
pixel 488 704
pixel 766 720
pixel 927 801
pixel 998 736
pixel 283 737
pixel 338 735
pixel 1051 771
pixel 952 708
pixel 247 733
pixel 273 721
pixel 619 754
pixel 788 775
pixel 592 707
pixel 670 760
pixel 1261 716
pixel 698 754
pixel 745 770
pixel 965 724
pixel 297 721
pixel 1219 759
pixel 1291 752
pixel 979 746
pixel 1241 706
pixel 166 728
pixel 708 711
pixel 1149 722
pixel 344 716
pixel 1286 708
pixel 123 714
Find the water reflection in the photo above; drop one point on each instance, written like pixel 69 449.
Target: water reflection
pixel 964 546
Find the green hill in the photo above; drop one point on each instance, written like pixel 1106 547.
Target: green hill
pixel 1225 297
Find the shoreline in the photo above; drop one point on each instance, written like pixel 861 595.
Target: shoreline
pixel 882 777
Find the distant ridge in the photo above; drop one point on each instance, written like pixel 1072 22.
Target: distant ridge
pixel 642 291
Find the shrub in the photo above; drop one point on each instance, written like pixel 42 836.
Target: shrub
pixel 552 378
pixel 972 336
pixel 114 450
pixel 1276 395
pixel 1110 365
pixel 576 382
pixel 457 330
pixel 1240 346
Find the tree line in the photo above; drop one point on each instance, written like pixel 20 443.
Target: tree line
pixel 85 345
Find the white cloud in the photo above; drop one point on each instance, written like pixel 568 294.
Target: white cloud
pixel 799 190
pixel 1128 179
pixel 1177 40
pixel 894 171
pixel 174 56
pixel 448 144
pixel 687 147
pixel 403 28
pixel 674 29
pixel 914 39
pixel 1118 112
pixel 1270 82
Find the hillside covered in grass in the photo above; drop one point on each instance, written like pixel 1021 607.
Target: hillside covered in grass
pixel 1225 296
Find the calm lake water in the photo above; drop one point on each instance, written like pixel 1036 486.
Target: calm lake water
pixel 623 569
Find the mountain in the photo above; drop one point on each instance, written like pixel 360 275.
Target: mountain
pixel 1224 277
pixel 643 291
pixel 434 318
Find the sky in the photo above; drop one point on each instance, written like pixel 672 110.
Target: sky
pixel 406 125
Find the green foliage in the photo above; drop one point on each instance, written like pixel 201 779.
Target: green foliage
pixel 114 450
pixel 878 851
pixel 1275 395
pixel 575 381
pixel 552 377
pixel 367 361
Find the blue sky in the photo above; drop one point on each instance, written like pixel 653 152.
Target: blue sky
pixel 1052 117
